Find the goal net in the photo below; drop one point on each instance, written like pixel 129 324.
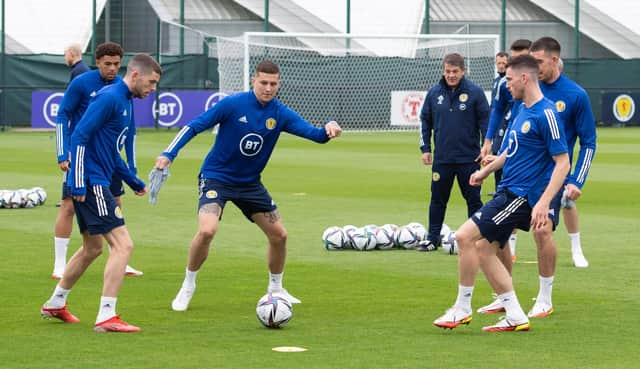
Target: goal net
pixel 364 82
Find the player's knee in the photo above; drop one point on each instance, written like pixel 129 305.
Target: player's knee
pixel 92 252
pixel 279 237
pixel 206 234
pixel 542 236
pixel 123 247
pixel 464 239
pixel 66 207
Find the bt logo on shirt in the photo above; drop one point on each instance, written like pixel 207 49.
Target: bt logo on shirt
pixel 251 144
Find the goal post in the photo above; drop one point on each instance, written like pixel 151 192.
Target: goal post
pixel 365 82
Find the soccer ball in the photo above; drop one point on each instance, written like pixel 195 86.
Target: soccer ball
pixel 385 236
pixel 406 237
pixel 274 310
pixel 7 196
pixel 42 194
pixel 4 197
pixel 449 244
pixel 348 230
pixel 444 231
pixel 419 229
pixel 32 199
pixel 363 240
pixel 16 199
pixel 334 238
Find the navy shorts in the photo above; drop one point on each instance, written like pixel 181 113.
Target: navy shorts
pixel 66 190
pixel 116 188
pixel 507 211
pixel 99 213
pixel 249 198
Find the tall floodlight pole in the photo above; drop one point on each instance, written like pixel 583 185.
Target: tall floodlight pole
pixel 427 17
pixel 266 15
pixel 93 32
pixel 348 29
pixel 348 16
pixel 576 29
pixel 3 55
pixel 503 26
pixel 181 28
pixel 159 59
pixel 2 40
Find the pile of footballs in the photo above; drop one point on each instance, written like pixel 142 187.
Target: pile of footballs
pixel 386 237
pixel 13 199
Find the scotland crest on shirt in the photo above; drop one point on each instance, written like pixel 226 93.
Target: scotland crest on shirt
pixel 560 106
pixel 270 123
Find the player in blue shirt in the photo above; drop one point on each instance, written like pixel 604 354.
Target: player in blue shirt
pixel 501 104
pixel 502 107
pixel 535 162
pixel 456 111
pixel 574 109
pixel 95 156
pixel 74 104
pixel 575 112
pixel 73 59
pixel 249 126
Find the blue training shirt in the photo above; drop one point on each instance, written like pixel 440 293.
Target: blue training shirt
pixel 99 138
pixel 501 103
pixel 246 137
pixel 74 104
pixel 458 119
pixel 573 106
pixel 532 139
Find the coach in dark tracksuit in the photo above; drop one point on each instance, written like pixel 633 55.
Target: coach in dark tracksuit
pixel 457 112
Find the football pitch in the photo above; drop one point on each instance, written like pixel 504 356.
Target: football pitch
pixel 359 309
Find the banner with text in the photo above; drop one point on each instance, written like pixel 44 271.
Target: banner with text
pixel 175 108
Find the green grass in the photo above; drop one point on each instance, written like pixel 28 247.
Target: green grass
pixel 360 310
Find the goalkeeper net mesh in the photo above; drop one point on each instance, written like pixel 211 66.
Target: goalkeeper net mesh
pixel 362 82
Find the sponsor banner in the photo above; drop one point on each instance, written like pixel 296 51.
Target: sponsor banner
pixel 174 108
pixel 406 107
pixel 620 108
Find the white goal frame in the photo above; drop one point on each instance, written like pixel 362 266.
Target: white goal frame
pixel 248 35
pixel 369 82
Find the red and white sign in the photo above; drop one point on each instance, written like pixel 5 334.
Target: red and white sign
pixel 406 107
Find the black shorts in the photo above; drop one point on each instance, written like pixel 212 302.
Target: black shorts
pixel 249 198
pixel 507 211
pixel 99 213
